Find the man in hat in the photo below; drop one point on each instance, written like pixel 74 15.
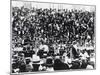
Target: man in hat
pixel 36 62
pixel 49 64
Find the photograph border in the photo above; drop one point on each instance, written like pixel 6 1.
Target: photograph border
pixel 56 70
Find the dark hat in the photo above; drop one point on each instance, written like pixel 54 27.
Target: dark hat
pixel 49 62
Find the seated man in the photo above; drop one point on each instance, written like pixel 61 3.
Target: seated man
pixel 59 65
pixel 36 62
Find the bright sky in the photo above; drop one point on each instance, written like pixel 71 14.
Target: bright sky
pixel 52 5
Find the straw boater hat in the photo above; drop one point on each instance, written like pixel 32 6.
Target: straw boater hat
pixel 36 59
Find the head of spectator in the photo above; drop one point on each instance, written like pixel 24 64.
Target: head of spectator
pixel 49 63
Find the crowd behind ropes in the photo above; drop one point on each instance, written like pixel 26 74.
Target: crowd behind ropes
pixel 52 39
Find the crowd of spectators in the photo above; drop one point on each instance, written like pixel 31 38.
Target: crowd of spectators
pixel 49 39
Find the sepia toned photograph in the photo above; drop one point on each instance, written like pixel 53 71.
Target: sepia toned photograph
pixel 52 37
